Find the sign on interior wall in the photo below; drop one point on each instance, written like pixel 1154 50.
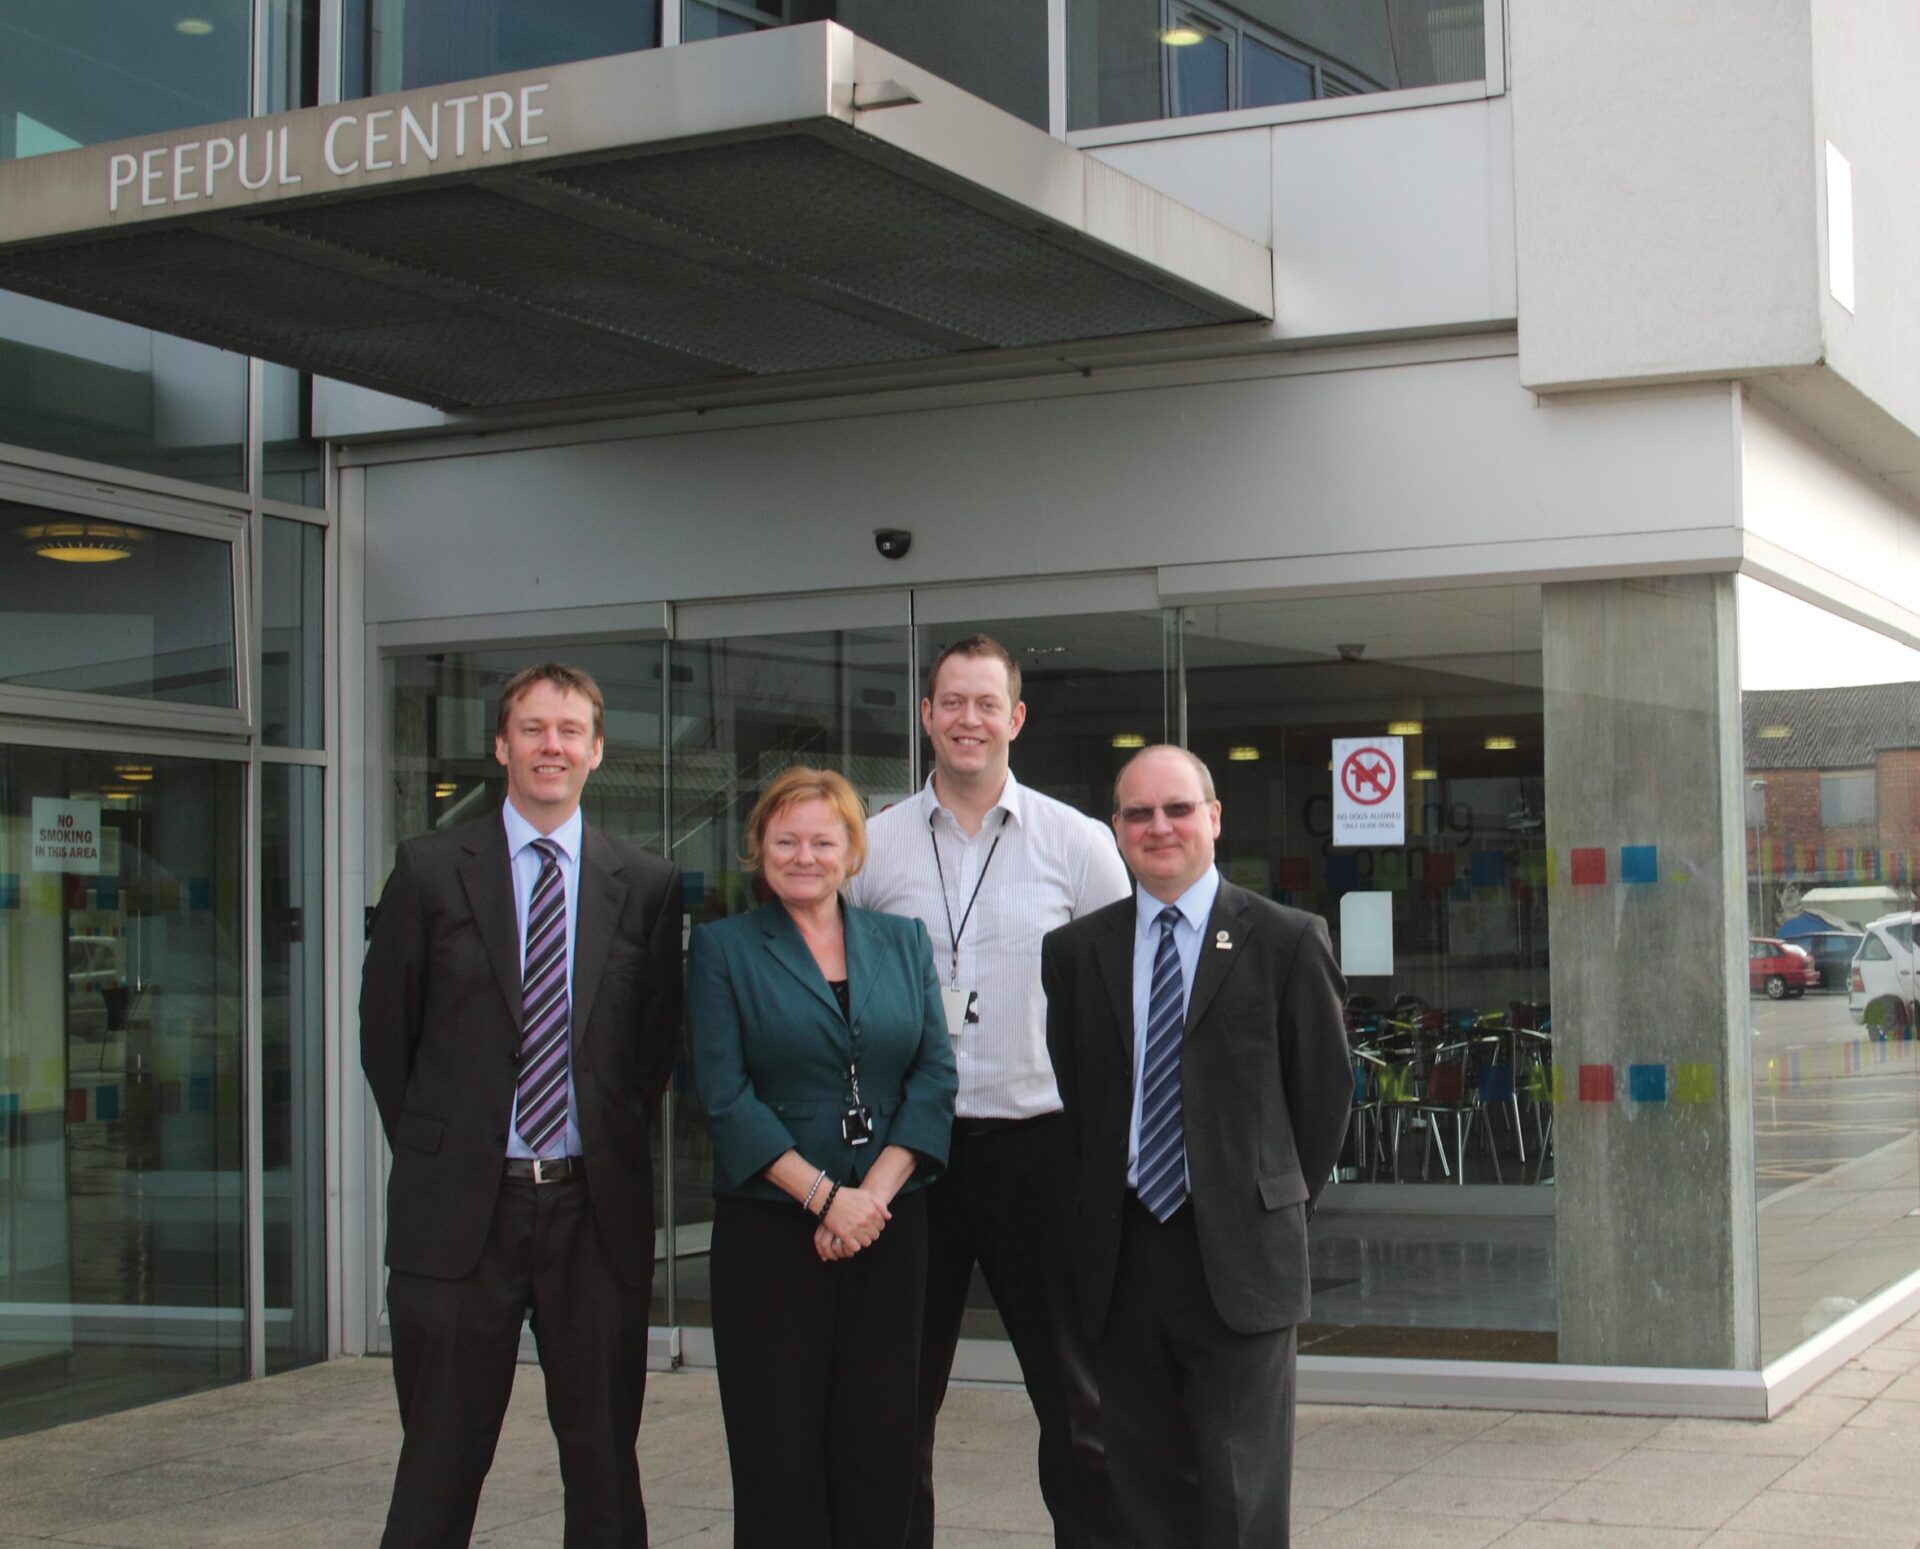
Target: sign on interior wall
pixel 1369 796
pixel 66 835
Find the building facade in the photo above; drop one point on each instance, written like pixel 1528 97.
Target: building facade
pixel 1525 395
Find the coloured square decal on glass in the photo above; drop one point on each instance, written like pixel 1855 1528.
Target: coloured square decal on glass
pixel 1693 1084
pixel 1587 866
pixel 1647 1083
pixel 1596 1083
pixel 1489 868
pixel 1639 863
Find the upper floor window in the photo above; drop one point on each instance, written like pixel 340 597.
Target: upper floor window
pixel 1847 798
pixel 396 45
pixel 1130 61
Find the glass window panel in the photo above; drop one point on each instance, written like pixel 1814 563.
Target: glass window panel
pixel 293 55
pixel 293 464
pixel 703 19
pixel 292 633
pixel 121 1214
pixel 293 1074
pixel 1454 1045
pixel 1199 73
pixel 1831 715
pixel 1268 76
pixel 409 43
pixel 1120 72
pixel 106 607
pixel 78 72
pixel 742 710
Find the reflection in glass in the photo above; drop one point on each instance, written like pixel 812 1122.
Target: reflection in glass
pixel 292 456
pixel 400 44
pixel 292 633
pixel 742 710
pixel 1831 716
pixel 1122 67
pixel 1453 1045
pixel 293 1075
pixel 121 1242
pixel 106 607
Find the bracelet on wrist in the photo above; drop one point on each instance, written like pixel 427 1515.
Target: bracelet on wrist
pixel 807 1204
pixel 832 1193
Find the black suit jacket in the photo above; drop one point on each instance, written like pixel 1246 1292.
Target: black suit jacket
pixel 1265 1087
pixel 440 1028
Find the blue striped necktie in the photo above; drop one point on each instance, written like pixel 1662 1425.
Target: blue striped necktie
pixel 541 1094
pixel 1162 1173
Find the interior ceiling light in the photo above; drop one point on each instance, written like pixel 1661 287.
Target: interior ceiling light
pixel 1425 774
pixel 1129 739
pixel 1499 744
pixel 193 26
pixel 80 543
pixel 445 789
pixel 1775 733
pixel 1403 728
pixel 1182 36
pixel 1243 754
pixel 134 774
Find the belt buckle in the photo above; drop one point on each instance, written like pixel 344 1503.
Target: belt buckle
pixel 539 1176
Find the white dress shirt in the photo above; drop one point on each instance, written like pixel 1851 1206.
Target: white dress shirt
pixel 1050 864
pixel 1195 906
pixel 525 861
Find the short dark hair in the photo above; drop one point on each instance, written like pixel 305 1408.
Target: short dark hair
pixel 979 645
pixel 561 676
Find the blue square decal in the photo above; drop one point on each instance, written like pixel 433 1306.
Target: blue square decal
pixel 1343 873
pixel 106 1103
pixel 1647 1083
pixel 1639 863
pixel 1489 868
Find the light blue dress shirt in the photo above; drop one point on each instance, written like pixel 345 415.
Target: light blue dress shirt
pixel 1195 906
pixel 526 871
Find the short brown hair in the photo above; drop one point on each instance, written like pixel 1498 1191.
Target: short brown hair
pixel 561 676
pixel 1204 774
pixel 979 645
pixel 801 783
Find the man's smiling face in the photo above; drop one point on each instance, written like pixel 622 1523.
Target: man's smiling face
pixel 548 749
pixel 970 720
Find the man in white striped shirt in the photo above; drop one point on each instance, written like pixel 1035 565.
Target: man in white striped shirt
pixel 989 867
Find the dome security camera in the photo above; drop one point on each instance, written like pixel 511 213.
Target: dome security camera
pixel 892 542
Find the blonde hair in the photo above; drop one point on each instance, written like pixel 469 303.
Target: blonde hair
pixel 801 783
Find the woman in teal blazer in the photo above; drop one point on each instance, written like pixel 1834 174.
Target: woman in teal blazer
pixel 821 1054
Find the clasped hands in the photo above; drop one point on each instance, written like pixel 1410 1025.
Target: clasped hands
pixel 855 1221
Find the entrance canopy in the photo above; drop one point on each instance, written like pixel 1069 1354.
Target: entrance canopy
pixel 794 201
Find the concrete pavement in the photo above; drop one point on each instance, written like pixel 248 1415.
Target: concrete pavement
pixel 304 1461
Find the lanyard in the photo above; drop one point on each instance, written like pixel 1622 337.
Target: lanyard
pixel 954 933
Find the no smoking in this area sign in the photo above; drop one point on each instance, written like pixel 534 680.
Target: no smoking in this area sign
pixel 1369 806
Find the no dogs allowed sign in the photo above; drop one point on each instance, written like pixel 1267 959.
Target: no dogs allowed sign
pixel 1369 798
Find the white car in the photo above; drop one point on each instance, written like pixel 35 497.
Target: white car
pixel 1880 988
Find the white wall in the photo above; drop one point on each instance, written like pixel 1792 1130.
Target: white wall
pixel 1664 165
pixel 1391 461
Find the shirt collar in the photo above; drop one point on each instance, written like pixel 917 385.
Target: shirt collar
pixel 1009 802
pixel 1195 905
pixel 521 833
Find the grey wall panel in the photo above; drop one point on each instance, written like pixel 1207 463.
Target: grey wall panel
pixel 1351 461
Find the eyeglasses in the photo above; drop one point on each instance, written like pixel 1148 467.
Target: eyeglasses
pixel 1176 812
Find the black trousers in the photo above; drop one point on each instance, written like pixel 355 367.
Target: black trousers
pixel 817 1365
pixel 1198 1419
pixel 998 1205
pixel 454 1348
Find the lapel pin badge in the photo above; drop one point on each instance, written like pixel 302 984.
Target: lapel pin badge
pixel 1223 942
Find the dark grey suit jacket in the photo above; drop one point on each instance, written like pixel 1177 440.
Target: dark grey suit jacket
pixel 440 1026
pixel 1265 1089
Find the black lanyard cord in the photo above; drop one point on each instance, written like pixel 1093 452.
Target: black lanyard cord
pixel 955 933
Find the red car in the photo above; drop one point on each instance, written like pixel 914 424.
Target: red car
pixel 1780 968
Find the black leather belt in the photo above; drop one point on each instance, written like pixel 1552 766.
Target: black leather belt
pixel 547 1169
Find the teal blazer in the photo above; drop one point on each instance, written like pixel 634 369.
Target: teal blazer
pixel 770 1047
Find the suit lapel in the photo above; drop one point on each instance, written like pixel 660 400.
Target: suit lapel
pixel 785 946
pixel 487 876
pixel 1220 946
pixel 603 894
pixel 863 954
pixel 1114 950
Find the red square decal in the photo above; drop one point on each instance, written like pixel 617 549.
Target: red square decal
pixel 1596 1083
pixel 76 1105
pixel 1589 867
pixel 1292 874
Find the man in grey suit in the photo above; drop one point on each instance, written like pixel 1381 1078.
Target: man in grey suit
pixel 1196 1032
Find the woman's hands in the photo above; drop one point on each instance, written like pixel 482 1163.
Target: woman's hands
pixel 859 1214
pixel 855 1221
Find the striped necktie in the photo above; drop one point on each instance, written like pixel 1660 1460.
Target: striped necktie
pixel 540 1099
pixel 1162 1172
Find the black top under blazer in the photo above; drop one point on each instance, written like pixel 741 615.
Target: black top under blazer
pixel 770 1047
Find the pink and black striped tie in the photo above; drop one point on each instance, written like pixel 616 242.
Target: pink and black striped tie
pixel 541 1096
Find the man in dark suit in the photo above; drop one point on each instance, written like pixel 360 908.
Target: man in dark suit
pixel 519 1018
pixel 1196 1032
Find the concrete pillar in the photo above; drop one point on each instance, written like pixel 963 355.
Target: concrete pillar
pixel 1655 1187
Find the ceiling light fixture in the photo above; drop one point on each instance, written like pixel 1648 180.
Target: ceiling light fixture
pixel 1243 754
pixel 193 26
pixel 134 774
pixel 1499 744
pixel 1426 774
pixel 1775 733
pixel 1128 739
pixel 1182 36
pixel 1404 728
pixel 80 543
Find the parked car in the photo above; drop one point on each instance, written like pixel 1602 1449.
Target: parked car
pixel 1833 952
pixel 1880 985
pixel 1779 968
